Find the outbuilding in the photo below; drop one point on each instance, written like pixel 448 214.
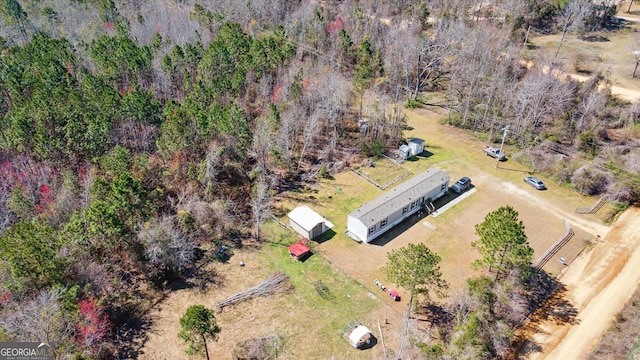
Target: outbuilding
pixel 308 223
pixel 299 251
pixel 381 214
pixel 404 152
pixel 416 145
pixel 358 335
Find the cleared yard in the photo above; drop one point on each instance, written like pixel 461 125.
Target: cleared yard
pixel 311 325
pixel 451 233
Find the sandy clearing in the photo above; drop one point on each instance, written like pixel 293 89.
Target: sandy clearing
pixel 618 91
pixel 622 93
pixel 598 285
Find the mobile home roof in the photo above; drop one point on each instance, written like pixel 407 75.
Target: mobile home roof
pixel 400 196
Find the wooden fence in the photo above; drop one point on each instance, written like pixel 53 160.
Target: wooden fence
pixel 593 209
pixel 544 259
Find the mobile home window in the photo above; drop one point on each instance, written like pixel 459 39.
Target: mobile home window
pixel 443 187
pixel 372 229
pixel 383 223
pixel 405 209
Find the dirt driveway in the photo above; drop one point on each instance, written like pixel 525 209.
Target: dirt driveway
pixel 598 284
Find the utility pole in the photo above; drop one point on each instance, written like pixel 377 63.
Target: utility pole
pixel 504 135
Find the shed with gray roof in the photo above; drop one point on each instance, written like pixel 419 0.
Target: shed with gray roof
pixel 381 214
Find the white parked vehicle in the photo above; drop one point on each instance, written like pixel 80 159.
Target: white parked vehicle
pixel 494 153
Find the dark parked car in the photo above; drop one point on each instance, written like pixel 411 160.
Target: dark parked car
pixel 535 182
pixel 461 185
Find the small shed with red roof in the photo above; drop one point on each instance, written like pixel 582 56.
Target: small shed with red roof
pixel 299 250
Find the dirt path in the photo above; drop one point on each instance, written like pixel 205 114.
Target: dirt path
pixel 621 92
pixel 598 284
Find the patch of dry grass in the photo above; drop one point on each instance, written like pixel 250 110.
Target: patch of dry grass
pixel 309 324
pixel 613 56
pixel 384 172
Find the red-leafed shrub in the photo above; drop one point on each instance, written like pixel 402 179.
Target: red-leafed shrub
pixel 277 91
pixel 46 198
pixel 5 296
pixel 93 327
pixel 335 26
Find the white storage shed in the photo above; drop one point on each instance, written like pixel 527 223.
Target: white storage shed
pixel 416 145
pixel 404 151
pixel 308 223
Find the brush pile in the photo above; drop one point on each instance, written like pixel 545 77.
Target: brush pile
pixel 279 281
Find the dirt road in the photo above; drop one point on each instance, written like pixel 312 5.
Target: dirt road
pixel 598 284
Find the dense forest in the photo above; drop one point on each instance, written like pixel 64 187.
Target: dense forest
pixel 135 135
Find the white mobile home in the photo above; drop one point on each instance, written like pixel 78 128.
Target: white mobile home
pixel 308 223
pixel 376 217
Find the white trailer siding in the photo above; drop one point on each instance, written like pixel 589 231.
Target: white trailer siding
pixel 356 229
pixel 378 216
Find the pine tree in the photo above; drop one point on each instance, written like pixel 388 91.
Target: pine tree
pixel 198 324
pixel 503 243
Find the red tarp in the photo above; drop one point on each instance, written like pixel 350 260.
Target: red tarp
pixel 298 249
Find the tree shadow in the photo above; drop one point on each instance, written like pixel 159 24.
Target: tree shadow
pixel 436 315
pixel 595 38
pixel 548 302
pixel 200 278
pixel 130 337
pixel 558 309
pixel 516 170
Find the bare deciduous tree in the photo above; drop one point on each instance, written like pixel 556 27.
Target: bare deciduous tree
pixel 211 167
pixel 635 51
pixel 591 180
pixel 572 19
pixel 39 319
pixel 401 54
pixel 540 97
pixel 166 247
pixel 136 136
pixel 589 109
pixel 260 205
pixel 434 54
